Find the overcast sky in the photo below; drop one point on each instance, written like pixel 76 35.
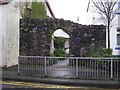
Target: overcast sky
pixel 70 9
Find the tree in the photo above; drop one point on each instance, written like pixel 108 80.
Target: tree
pixel 33 9
pixel 106 9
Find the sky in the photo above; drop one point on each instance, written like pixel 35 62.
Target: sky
pixel 70 9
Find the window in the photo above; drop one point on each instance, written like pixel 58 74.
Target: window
pixel 118 30
pixel 118 8
pixel 118 39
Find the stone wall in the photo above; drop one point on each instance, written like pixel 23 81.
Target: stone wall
pixel 35 37
pixel 87 40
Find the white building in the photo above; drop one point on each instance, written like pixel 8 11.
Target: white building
pixel 94 18
pixel 9 33
pixel 9 30
pixel 115 34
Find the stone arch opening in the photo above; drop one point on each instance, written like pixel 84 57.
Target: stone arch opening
pixel 59 33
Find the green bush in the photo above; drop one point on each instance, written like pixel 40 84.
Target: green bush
pixel 59 47
pixel 59 42
pixel 106 51
pixel 60 53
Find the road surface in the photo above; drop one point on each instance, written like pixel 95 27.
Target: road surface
pixel 16 84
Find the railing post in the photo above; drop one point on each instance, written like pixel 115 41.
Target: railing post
pixel 76 67
pixel 111 68
pixel 45 67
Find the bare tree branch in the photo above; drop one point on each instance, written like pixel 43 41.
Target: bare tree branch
pixel 106 9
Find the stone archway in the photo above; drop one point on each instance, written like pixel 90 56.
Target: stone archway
pixel 60 33
pixel 84 39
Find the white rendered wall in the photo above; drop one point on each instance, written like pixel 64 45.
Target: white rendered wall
pixel 3 15
pixel 119 32
pixel 113 30
pixel 113 33
pixel 13 34
pixel 9 34
pixel 67 45
pixel 0 36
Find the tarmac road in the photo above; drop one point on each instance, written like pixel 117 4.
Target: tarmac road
pixel 30 85
pixel 16 84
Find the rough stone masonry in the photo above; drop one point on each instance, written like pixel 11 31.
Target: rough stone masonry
pixel 35 37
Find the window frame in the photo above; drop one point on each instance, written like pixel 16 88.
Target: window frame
pixel 118 37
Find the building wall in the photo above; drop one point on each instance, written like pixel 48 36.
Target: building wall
pixel 12 34
pixel 113 36
pixel 114 32
pixel 1 37
pixel 3 15
pixel 113 29
pixel 9 34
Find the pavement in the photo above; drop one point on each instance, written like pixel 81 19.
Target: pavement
pixel 12 74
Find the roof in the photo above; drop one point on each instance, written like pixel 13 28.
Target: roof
pixel 60 33
pixel 5 1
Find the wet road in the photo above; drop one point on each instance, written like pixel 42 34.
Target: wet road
pixel 16 84
pixel 30 85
